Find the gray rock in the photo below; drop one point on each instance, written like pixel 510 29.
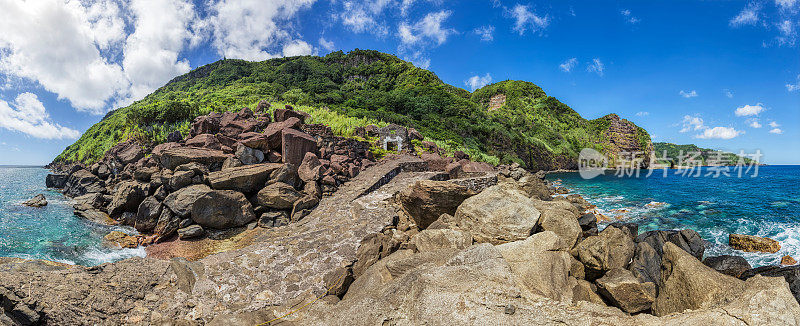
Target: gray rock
pixel 222 209
pixel 278 196
pixel 174 157
pixel 610 249
pixel 180 179
pixel 625 291
pixel 246 179
pixel 248 155
pixel 56 180
pixel 191 232
pixel 36 201
pixel 539 266
pixel 127 197
pixel 147 215
pixel 499 214
pixel 303 207
pixel 426 200
pixel 728 265
pixel 429 240
pixel 168 223
pixel 181 201
pixel 82 182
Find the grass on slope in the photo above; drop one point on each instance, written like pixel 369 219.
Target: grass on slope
pixel 355 89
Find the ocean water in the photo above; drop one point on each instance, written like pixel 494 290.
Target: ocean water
pixel 766 205
pixel 52 232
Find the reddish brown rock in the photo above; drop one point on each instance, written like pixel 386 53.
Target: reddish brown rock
pixel 175 157
pixel 255 140
pixel 126 152
pixel 284 114
pixel 262 107
pixel 309 169
pixel 205 141
pixel 233 124
pixel 206 124
pixel 295 144
pixel 273 132
pixel 470 166
pixel 435 162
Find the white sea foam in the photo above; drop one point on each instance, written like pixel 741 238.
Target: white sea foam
pixel 98 256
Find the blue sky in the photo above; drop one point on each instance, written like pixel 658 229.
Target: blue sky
pixel 719 74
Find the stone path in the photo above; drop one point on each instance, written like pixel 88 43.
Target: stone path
pixel 283 265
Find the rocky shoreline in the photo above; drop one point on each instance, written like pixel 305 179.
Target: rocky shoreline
pixel 254 216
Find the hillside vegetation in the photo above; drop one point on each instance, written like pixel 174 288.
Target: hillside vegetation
pixel 681 154
pixel 359 88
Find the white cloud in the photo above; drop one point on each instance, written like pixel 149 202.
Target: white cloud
pixel 748 15
pixel 786 4
pixel 754 123
pixel 628 16
pixel 688 94
pixel 568 65
pixel 748 110
pixel 28 115
pixel 597 67
pixel 777 131
pixel 728 93
pixel 690 123
pixel 325 44
pixel 788 32
pixel 429 28
pixel 363 16
pixel 476 81
pixel 525 19
pixel 54 44
pixel 774 124
pixel 642 113
pixel 255 29
pixel 719 133
pixel 793 87
pixel 486 33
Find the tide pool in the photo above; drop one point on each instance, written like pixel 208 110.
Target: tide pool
pixel 52 232
pixel 767 205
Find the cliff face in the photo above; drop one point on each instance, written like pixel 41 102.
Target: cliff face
pixel 625 141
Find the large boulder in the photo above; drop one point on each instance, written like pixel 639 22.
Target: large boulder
pixel 534 187
pixel 728 265
pixel 206 124
pixel 126 152
pixel 499 214
pixel 429 240
pixel 539 266
pixel 625 291
pixel 561 218
pixel 148 214
pixel 181 201
pixel 246 179
pixel 586 291
pixel 174 157
pixel 233 124
pixel 751 243
pixel 55 180
pixel 295 144
pixel 688 284
pixel 36 201
pixel 167 224
pixel 222 209
pixel 82 182
pixel 278 195
pixel 646 264
pixel 309 169
pixel 274 132
pixel 205 141
pixel 610 249
pixel 426 200
pixel 248 155
pixel 791 274
pixel 127 197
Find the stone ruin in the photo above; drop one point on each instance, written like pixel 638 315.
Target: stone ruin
pixel 393 137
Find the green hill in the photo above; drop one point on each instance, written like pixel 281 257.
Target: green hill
pixel 363 87
pixel 683 153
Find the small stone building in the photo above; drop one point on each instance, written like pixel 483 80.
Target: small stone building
pixel 393 137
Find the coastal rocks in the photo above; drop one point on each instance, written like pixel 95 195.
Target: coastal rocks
pixel 15 310
pixel 278 195
pixel 121 240
pixel 206 124
pixel 147 214
pixel 429 240
pixel 174 157
pixel 790 273
pixel 181 201
pixel 36 201
pixel 222 209
pixel 166 225
pixel 688 284
pixel 646 264
pixel 426 200
pixel 126 152
pixel 303 206
pixel 588 223
pixel 191 232
pixel 248 155
pixel 245 179
pixel 610 249
pixel 499 214
pixel 561 220
pixel 127 197
pixel 310 168
pixel 625 291
pixel 295 144
pixel 82 182
pixel 586 291
pixel 539 266
pixel 55 180
pixel 788 260
pixel 205 141
pixel 728 265
pixel 752 243
pixel 534 187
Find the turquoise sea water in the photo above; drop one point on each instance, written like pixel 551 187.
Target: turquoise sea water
pixel 52 232
pixel 767 205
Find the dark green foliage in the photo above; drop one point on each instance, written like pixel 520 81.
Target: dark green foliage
pixel 370 87
pixel 682 153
